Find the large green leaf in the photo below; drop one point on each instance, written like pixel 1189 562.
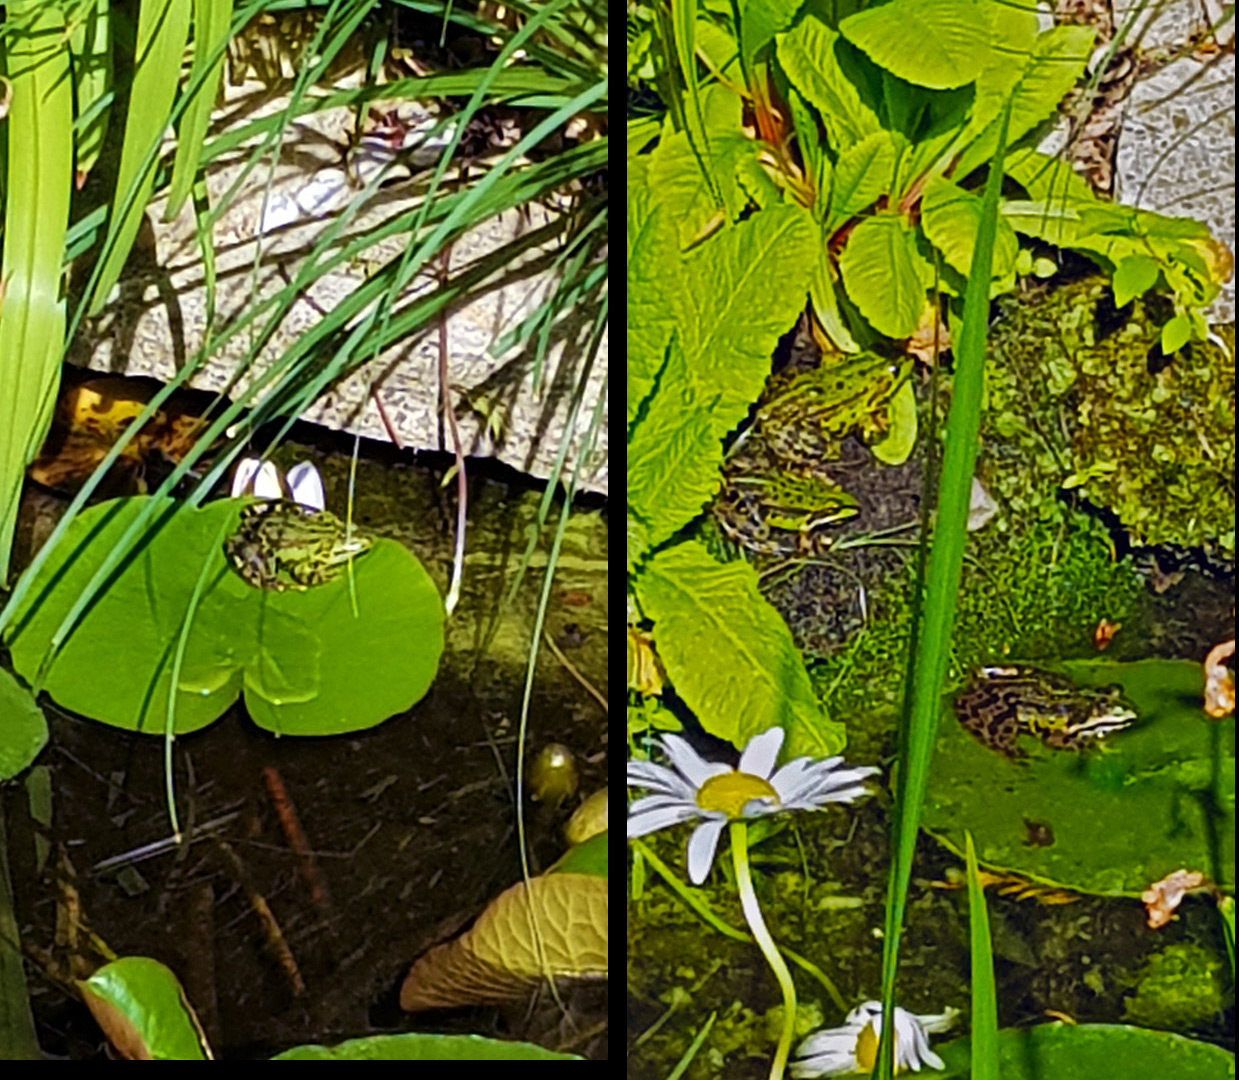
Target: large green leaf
pixel 1159 773
pixel 36 184
pixel 885 275
pixel 936 43
pixel 674 455
pixel 951 218
pixel 1093 1052
pixel 809 55
pixel 1034 88
pixel 863 173
pixel 418 1047
pixel 729 653
pixel 142 1010
pixel 739 293
pixel 306 664
pixel 23 728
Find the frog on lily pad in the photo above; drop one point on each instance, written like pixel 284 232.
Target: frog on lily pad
pixel 288 542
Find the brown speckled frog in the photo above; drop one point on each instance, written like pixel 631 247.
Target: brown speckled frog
pixel 1003 703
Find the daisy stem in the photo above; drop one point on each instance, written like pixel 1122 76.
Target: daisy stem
pixel 752 913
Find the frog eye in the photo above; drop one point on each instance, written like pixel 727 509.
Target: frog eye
pixel 255 477
pixel 306 486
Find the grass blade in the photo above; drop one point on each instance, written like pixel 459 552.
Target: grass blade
pixel 163 28
pixel 36 218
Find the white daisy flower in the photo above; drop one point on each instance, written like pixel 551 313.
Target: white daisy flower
pixel 262 479
pixel 717 793
pixel 853 1048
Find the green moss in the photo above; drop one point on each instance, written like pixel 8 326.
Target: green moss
pixel 1079 396
pixel 1179 989
pixel 1035 591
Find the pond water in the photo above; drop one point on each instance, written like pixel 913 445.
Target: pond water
pixel 411 824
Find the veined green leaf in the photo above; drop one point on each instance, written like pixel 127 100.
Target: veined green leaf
pixel 885 276
pixel 951 218
pixel 1034 89
pixel 37 185
pixel 729 653
pixel 809 55
pixel 936 43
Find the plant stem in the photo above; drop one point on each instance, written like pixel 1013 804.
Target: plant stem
pixel 752 913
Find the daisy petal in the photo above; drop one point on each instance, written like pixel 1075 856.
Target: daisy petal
pixel 761 753
pixel 701 847
pixel 658 778
pixel 656 812
pixel 689 763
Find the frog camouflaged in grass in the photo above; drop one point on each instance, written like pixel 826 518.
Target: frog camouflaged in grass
pixel 777 497
pixel 1003 703
pixel 280 544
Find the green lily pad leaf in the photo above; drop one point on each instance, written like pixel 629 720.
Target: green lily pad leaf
pixel 23 728
pixel 588 857
pixel 1090 1051
pixel 339 657
pixel 1153 798
pixel 417 1047
pixel 142 1010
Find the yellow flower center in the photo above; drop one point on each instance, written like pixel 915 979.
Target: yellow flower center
pixel 731 792
pixel 867 1049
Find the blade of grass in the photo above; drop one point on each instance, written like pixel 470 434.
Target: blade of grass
pixel 37 189
pixel 163 28
pixel 937 616
pixel 212 28
pixel 984 994
pixel 91 43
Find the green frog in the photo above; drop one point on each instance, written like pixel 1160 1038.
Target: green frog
pixel 778 497
pixel 281 545
pixel 1003 703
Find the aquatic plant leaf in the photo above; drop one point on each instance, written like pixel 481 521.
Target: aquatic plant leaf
pixel 419 1047
pixel 1160 774
pixel 306 663
pixel 142 1009
pixel 23 728
pixel 497 959
pixel 1091 1051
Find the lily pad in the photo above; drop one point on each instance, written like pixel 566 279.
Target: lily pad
pixel 1090 1051
pixel 339 657
pixel 1151 799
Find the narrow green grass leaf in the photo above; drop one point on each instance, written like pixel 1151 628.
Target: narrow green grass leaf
pixel 91 43
pixel 984 993
pixel 212 25
pixel 37 187
pixel 163 28
pixel 937 616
